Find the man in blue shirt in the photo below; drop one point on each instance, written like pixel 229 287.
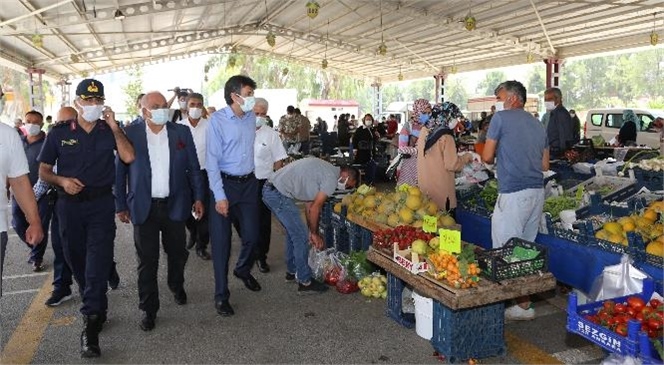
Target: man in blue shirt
pixel 518 144
pixel 230 167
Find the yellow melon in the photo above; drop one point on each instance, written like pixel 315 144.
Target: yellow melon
pixel 602 235
pixel 414 190
pixel 381 218
pixel 616 238
pixel 613 228
pixel 655 248
pixel 393 220
pixel 657 206
pixel 337 208
pixel 432 208
pixel 417 224
pixel 369 202
pixel 347 200
pixel 625 220
pixel 628 227
pixel 446 221
pixel 406 216
pixel 650 215
pixel 660 238
pixel 413 202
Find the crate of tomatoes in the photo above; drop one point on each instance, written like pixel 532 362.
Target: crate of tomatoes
pixel 617 323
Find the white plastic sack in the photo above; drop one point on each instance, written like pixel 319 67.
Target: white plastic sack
pixel 617 281
pixel 617 359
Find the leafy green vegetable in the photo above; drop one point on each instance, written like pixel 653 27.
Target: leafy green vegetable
pixel 557 204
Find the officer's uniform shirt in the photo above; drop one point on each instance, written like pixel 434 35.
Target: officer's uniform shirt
pixel 199 132
pixel 160 161
pixel 89 157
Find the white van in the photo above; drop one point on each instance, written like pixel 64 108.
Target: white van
pixel 607 123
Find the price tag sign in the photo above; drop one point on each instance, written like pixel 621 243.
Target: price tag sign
pixel 430 224
pixel 450 240
pixel 579 193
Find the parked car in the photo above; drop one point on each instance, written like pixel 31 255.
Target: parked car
pixel 607 123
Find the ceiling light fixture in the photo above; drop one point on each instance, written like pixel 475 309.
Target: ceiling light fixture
pixel 382 48
pixel 469 21
pixel 119 15
pixel 312 9
pixel 327 38
pixel 654 37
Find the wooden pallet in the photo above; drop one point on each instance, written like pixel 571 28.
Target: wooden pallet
pixel 486 292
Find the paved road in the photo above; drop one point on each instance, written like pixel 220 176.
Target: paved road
pixel 271 326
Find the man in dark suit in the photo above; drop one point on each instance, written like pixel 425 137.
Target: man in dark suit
pixel 155 194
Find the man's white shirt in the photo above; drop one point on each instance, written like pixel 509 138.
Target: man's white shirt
pixel 160 161
pixel 268 149
pixel 13 163
pixel 199 132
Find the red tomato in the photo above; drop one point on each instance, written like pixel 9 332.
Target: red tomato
pixel 644 327
pixel 639 317
pixel 630 311
pixel 653 333
pixel 654 324
pixel 636 303
pixel 655 303
pixel 619 308
pixel 621 329
pixel 647 311
pixel 609 305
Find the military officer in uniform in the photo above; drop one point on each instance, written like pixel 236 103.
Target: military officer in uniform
pixel 84 152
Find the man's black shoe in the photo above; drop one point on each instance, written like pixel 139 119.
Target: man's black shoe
pixel 114 279
pixel 263 266
pixel 290 278
pixel 180 297
pixel 314 287
pixel 147 322
pixel 224 308
pixel 58 297
pixel 37 266
pixel 203 254
pixel 249 281
pixel 90 337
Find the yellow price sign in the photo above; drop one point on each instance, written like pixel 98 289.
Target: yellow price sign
pixel 579 193
pixel 450 240
pixel 430 224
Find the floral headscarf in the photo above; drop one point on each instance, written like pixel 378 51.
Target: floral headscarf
pixel 440 125
pixel 419 106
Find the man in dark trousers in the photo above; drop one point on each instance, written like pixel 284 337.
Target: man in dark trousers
pixel 230 168
pixel 154 193
pixel 32 144
pixel 84 150
pixel 560 130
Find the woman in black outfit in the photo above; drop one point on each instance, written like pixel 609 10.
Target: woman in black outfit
pixel 363 142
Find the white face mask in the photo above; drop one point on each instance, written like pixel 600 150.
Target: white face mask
pixel 248 104
pixel 160 116
pixel 500 106
pixel 91 113
pixel 549 105
pixel 368 123
pixel 183 104
pixel 32 129
pixel 260 121
pixel 341 183
pixel 195 113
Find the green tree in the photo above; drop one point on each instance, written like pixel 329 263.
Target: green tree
pixel 133 89
pixel 456 93
pixel 491 81
pixel 535 83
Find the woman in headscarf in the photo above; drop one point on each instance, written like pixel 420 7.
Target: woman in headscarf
pixel 408 137
pixel 627 134
pixel 437 159
pixel 363 143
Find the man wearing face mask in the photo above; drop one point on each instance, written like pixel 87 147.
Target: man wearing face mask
pixel 560 128
pixel 84 150
pixel 364 142
pixel 230 166
pixel 155 193
pixel 199 235
pixel 309 180
pixel 32 144
pixel 269 155
pixel 181 112
pixel 518 143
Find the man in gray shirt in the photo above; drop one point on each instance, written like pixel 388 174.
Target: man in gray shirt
pixel 310 180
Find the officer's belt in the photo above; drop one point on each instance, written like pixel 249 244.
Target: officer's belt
pixel 87 194
pixel 241 178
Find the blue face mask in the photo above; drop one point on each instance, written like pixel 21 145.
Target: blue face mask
pixel 424 118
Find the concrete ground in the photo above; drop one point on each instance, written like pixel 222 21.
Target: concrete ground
pixel 274 325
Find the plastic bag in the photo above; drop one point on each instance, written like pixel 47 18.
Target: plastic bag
pixel 319 260
pixel 334 271
pixel 617 359
pixel 617 281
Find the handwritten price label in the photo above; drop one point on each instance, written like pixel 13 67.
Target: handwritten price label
pixel 450 240
pixel 430 224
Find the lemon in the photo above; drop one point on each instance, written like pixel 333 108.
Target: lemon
pixel 337 208
pixel 613 228
pixel 650 215
pixel 655 248
pixel 628 227
pixel 393 220
pixel 413 202
pixel 406 215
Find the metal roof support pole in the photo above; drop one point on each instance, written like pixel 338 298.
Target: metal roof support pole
pixel 64 91
pixel 553 72
pixel 36 88
pixel 377 98
pixel 440 87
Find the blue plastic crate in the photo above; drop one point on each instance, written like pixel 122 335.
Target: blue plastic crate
pixel 360 238
pixel 603 337
pixel 325 231
pixel 393 309
pixel 340 239
pixel 469 333
pixel 651 180
pixel 647 353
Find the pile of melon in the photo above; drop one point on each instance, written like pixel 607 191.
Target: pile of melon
pixel 646 224
pixel 406 205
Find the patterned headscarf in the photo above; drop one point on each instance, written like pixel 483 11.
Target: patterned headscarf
pixel 439 126
pixel 629 116
pixel 419 106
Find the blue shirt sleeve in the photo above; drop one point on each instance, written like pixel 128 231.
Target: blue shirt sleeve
pixel 213 152
pixel 494 127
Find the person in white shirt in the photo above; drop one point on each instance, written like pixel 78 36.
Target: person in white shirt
pixel 14 170
pixel 269 155
pixel 199 234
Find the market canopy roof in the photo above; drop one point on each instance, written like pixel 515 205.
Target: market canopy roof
pixel 422 37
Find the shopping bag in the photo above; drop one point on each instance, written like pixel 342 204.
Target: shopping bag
pixel 617 281
pixel 391 171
